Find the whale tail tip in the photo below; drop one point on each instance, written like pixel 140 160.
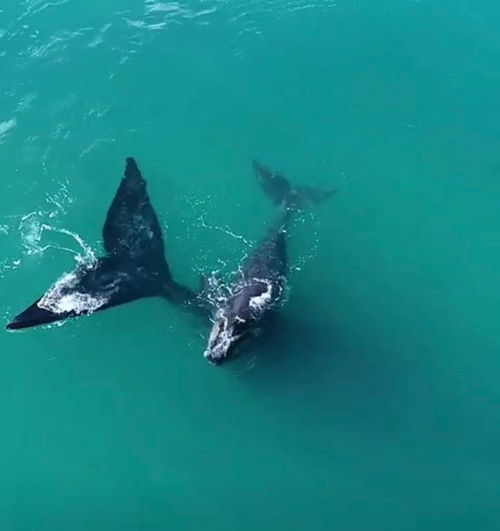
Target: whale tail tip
pixel 281 192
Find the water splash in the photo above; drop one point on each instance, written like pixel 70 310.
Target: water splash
pixel 32 231
pixel 62 297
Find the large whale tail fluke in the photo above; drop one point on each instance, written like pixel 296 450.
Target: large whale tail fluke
pixel 281 192
pixel 133 267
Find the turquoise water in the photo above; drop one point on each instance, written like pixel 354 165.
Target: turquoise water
pixel 373 404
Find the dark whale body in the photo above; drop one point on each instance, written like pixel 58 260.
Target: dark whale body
pixel 261 280
pixel 133 267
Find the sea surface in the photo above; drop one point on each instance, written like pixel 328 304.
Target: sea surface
pixel 373 402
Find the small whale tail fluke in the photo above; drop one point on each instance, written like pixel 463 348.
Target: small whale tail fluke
pixel 281 192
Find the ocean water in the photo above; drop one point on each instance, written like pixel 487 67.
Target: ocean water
pixel 373 403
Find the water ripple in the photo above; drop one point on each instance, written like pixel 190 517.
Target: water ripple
pixel 175 9
pixel 36 6
pixel 5 127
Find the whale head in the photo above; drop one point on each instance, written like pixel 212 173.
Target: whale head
pixel 227 332
pixel 237 319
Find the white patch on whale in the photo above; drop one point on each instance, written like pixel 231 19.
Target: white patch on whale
pixel 56 301
pixel 259 301
pixel 220 339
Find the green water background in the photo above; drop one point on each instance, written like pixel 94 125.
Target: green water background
pixel 374 402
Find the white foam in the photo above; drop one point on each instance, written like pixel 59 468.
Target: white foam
pixel 220 339
pixel 260 301
pixel 55 300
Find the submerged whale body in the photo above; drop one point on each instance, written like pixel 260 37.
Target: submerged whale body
pixel 133 267
pixel 261 280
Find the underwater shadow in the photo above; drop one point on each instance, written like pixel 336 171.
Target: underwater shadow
pixel 318 365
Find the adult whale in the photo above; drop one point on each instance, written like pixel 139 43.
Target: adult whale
pixel 133 267
pixel 261 280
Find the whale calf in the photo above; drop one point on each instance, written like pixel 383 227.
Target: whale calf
pixel 261 280
pixel 132 268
